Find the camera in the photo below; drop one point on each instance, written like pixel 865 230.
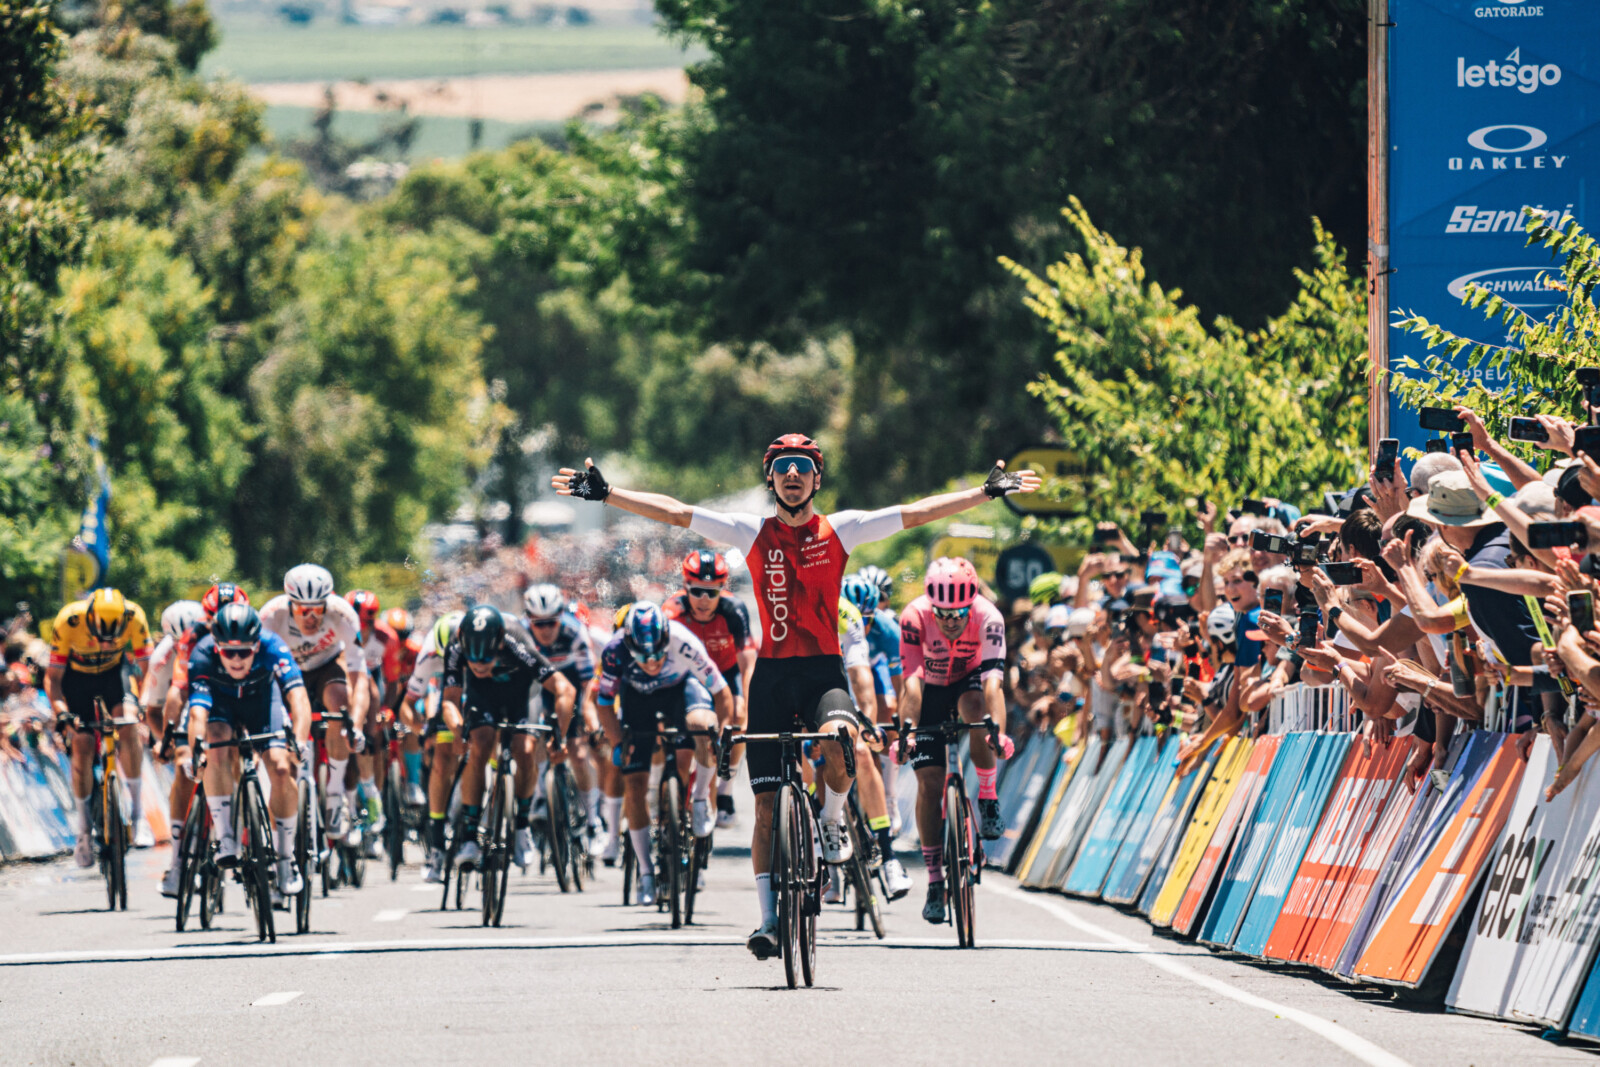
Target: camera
pixel 1305 551
pixel 1277 544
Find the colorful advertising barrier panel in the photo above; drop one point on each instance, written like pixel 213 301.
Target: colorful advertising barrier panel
pixel 1310 797
pixel 1256 837
pixel 1080 806
pixel 1099 849
pixel 1240 809
pixel 1200 828
pixel 1166 833
pixel 1030 781
pixel 1127 873
pixel 1417 921
pixel 1487 114
pixel 1357 803
pixel 1031 870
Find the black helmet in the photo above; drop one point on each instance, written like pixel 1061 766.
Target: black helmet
pixel 236 625
pixel 482 632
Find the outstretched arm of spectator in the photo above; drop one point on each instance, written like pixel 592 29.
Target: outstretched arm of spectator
pixel 1515 467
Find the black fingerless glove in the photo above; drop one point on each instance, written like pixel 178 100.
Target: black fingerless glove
pixel 1001 482
pixel 589 484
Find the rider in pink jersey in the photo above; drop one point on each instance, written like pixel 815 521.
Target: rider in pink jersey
pixel 953 649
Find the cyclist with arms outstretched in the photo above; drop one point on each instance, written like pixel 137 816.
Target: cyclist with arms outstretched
pixel 953 647
pixel 797 559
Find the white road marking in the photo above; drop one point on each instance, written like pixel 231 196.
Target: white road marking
pixel 426 888
pixel 1357 1046
pixel 175 1061
pixel 276 1000
pixel 391 915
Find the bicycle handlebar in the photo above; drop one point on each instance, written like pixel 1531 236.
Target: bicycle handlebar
pixel 947 731
pixel 846 747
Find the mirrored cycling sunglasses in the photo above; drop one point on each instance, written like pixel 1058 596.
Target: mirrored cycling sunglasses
pixel 700 591
pixel 796 464
pixel 235 651
pixel 951 614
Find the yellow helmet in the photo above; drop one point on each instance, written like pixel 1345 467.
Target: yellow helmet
pixel 107 615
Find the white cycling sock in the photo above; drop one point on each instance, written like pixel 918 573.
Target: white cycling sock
pixel 538 780
pixel 336 776
pixel 83 814
pixel 613 816
pixel 591 798
pixel 725 788
pixel 369 786
pixel 641 849
pixel 702 783
pixel 221 817
pixel 135 799
pixel 766 898
pixel 833 804
pixel 889 768
pixel 285 840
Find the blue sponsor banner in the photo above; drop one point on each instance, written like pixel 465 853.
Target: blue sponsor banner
pixel 1586 1014
pixel 1310 797
pixel 1105 836
pixel 1174 820
pixel 1255 840
pixel 1030 785
pixel 1494 105
pixel 1127 871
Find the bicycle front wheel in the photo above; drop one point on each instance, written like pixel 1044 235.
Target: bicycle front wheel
pixel 672 845
pixel 116 845
pixel 302 856
pixel 256 859
pixel 630 868
pixel 958 860
pixel 556 832
pixel 808 887
pixel 394 823
pixel 786 877
pixel 868 907
pixel 189 849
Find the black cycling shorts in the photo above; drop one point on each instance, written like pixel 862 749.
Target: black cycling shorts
pixel 319 678
pixel 939 707
pixel 79 689
pixel 669 707
pixel 578 682
pixel 735 681
pixel 501 704
pixel 798 694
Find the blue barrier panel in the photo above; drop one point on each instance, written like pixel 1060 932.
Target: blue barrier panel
pixel 1032 786
pixel 1099 849
pixel 1173 821
pixel 1127 871
pixel 1310 797
pixel 1080 806
pixel 1255 840
pixel 1586 1013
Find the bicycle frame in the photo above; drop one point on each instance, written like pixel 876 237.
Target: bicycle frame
pixel 258 864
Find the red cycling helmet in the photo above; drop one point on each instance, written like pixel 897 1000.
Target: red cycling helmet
pixel 704 565
pixel 398 620
pixel 791 444
pixel 220 595
pixel 366 604
pixel 951 584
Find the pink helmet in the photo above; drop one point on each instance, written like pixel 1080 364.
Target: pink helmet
pixel 951 583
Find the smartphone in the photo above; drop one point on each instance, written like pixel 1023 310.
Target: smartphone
pixel 1199 503
pixel 1587 375
pixel 1436 444
pixel 1308 628
pixel 1153 519
pixel 1528 430
pixel 1441 419
pixel 1558 535
pixel 1343 573
pixel 1277 544
pixel 1176 689
pixel 1388 452
pixel 1586 439
pixel 1272 600
pixel 1580 606
pixel 1254 507
pixel 1461 442
pixel 1104 536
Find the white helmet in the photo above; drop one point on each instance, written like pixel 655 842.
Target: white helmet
pixel 308 584
pixel 179 616
pixel 543 601
pixel 1222 623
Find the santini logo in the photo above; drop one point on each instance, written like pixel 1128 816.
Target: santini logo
pixel 1513 73
pixel 1516 284
pixel 1470 218
pixel 1504 141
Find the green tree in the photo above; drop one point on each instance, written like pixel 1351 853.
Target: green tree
pixel 1160 410
pixel 1539 355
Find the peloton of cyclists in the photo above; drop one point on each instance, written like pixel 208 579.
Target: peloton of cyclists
pixel 797 559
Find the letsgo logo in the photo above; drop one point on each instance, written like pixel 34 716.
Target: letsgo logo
pixel 1506 143
pixel 1512 74
pixel 1469 218
pixel 777 594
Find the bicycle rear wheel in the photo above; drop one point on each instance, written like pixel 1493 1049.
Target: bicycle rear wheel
pixel 189 852
pixel 555 804
pixel 630 868
pixel 672 845
pixel 256 859
pixel 394 822
pixel 958 860
pixel 699 856
pixel 116 845
pixel 210 887
pixel 868 906
pixel 577 823
pixel 496 860
pixel 786 882
pixel 302 857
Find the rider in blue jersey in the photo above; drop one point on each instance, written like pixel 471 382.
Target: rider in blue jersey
pixel 241 679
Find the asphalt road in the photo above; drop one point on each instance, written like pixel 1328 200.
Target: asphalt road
pixel 387 978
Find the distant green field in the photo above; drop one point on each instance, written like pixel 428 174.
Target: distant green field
pixel 262 50
pixel 438 137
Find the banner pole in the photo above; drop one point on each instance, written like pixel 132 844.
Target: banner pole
pixel 1377 222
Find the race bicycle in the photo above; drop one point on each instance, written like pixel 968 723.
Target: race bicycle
pixel 796 872
pixel 197 852
pixel 566 831
pixel 257 860
pixel 338 861
pixel 108 820
pixel 500 818
pixel 679 855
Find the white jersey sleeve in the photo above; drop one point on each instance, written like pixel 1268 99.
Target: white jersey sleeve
pixel 693 659
pixel 855 528
pixel 853 646
pixel 158 672
pixel 738 529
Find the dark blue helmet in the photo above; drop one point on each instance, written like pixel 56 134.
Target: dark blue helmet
pixel 482 632
pixel 644 631
pixel 237 625
pixel 862 593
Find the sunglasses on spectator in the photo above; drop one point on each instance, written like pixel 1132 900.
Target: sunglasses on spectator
pixel 704 592
pixel 793 465
pixel 950 614
pixel 1239 539
pixel 234 652
pixel 1247 578
pixel 1117 574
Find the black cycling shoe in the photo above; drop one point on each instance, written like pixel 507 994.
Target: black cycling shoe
pixel 933 910
pixel 991 825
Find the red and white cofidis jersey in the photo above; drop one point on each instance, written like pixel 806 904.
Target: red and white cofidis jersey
pixel 927 654
pixel 797 570
pixel 725 636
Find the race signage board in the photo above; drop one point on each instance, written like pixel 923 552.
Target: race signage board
pixel 1199 828
pixel 1239 810
pixel 1079 810
pixel 1110 828
pixel 1125 876
pixel 1166 832
pixel 1071 760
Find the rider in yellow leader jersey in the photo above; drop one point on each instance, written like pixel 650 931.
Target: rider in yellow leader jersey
pixel 91 640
